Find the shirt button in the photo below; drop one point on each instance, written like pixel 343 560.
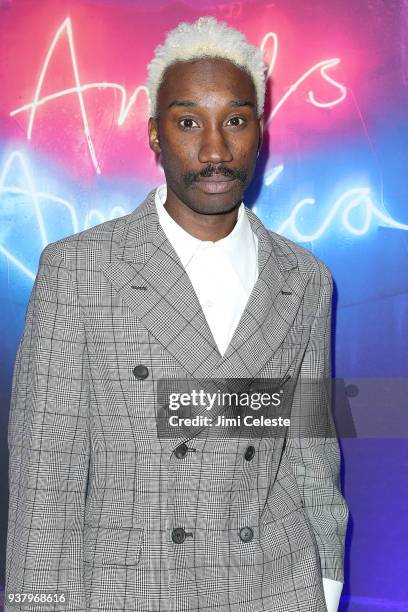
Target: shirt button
pixel 178 535
pixel 209 303
pixel 246 534
pixel 141 371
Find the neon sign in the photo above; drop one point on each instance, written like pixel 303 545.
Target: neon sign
pixel 320 67
pixel 352 199
pixel 92 217
pixel 79 88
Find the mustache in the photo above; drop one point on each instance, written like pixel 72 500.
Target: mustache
pixel 239 173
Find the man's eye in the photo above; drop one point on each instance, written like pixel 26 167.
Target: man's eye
pixel 188 123
pixel 235 121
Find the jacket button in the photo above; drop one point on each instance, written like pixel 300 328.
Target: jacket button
pixel 246 534
pixel 141 371
pixel 178 535
pixel 181 451
pixel 249 453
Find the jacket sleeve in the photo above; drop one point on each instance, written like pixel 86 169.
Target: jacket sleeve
pixel 48 440
pixel 312 449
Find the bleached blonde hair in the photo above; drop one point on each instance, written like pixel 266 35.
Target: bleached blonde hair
pixel 206 38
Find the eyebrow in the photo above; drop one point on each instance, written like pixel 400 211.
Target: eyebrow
pixel 191 103
pixel 182 103
pixel 238 103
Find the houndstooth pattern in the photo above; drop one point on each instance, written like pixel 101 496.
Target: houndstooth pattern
pixel 95 493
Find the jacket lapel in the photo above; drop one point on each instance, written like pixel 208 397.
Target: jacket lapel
pixel 150 278
pixel 270 310
pixel 146 271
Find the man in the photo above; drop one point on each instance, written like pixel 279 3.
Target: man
pixel 106 513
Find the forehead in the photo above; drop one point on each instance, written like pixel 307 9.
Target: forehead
pixel 201 79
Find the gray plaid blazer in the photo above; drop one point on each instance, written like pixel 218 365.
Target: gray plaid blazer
pixel 105 514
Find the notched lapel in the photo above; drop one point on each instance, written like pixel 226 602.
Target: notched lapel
pixel 270 311
pixel 154 284
pixel 148 275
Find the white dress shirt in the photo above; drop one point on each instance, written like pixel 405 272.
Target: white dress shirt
pixel 223 274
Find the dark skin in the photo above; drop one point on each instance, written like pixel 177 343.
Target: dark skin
pixel 208 135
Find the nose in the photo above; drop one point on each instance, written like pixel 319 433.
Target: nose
pixel 214 148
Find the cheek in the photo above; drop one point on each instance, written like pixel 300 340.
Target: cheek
pixel 244 150
pixel 244 157
pixel 176 163
pixel 177 147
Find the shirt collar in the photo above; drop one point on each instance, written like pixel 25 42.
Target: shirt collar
pixel 239 243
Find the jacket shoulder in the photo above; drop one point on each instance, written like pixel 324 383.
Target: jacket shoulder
pixel 94 242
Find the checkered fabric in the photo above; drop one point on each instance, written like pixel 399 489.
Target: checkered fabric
pixel 105 511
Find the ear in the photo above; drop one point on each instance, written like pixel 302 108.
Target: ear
pixel 154 135
pixel 261 126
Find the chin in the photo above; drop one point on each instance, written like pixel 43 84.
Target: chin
pixel 215 207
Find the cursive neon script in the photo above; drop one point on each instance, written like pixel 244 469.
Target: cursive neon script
pixel 141 91
pixel 358 197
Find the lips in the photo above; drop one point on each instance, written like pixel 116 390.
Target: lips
pixel 217 183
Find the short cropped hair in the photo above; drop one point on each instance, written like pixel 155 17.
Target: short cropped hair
pixel 206 38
